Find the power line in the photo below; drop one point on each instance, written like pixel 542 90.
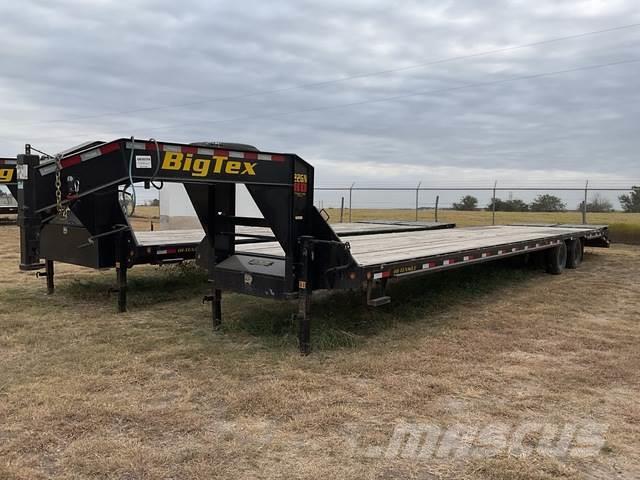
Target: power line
pixel 377 100
pixel 406 95
pixel 339 80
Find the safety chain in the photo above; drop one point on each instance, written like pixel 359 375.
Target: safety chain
pixel 62 211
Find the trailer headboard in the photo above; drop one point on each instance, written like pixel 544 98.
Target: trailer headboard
pixel 281 185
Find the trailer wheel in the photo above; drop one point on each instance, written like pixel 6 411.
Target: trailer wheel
pixel 557 259
pixel 575 253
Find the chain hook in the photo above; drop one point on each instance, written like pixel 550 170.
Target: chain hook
pixel 62 211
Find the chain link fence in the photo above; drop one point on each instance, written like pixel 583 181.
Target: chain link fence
pixel 492 204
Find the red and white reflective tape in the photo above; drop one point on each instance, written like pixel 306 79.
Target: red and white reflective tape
pixel 380 275
pixel 93 153
pixel 153 147
pixel 80 157
pixel 165 251
pixel 208 152
pixel 465 258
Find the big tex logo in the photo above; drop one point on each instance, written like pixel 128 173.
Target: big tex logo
pixel 201 167
pixel 6 174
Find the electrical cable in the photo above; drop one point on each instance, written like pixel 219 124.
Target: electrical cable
pixel 343 79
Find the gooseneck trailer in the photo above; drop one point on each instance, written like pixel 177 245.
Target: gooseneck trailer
pixel 69 211
pixel 8 179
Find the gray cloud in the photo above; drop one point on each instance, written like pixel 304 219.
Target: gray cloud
pixel 75 60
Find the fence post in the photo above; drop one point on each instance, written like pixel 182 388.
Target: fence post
pixel 436 211
pixel 584 204
pixel 342 209
pixel 350 198
pixel 417 193
pixel 493 204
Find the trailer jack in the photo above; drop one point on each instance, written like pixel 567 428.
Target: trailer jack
pixel 216 307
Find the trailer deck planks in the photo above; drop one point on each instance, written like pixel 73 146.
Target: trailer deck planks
pixel 195 236
pixel 397 247
pixel 401 254
pixel 169 237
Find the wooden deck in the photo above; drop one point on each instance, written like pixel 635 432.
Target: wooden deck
pixel 185 237
pixel 169 237
pixel 396 247
pixel 377 248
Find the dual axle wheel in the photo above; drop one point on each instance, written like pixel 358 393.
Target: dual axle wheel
pixel 568 254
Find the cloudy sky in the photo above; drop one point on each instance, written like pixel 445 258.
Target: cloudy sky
pixel 376 92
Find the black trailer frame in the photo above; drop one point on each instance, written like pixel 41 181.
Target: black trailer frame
pixel 69 211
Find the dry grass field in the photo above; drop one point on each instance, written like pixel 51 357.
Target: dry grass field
pixel 86 392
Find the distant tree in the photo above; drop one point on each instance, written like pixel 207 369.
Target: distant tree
pixel 499 205
pixel 514 205
pixel 154 203
pixel 468 202
pixel 547 203
pixel 597 204
pixel 631 203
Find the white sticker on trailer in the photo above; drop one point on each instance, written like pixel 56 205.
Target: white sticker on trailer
pixel 22 172
pixel 143 161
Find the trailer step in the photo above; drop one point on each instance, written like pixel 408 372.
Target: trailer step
pixel 378 302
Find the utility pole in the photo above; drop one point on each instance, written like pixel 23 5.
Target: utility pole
pixel 584 204
pixel 493 204
pixel 350 199
pixel 417 194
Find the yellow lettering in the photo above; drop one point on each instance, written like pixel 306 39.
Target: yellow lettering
pixel 172 161
pixel 232 167
pixel 218 165
pixel 201 167
pixel 6 174
pixel 249 169
pixel 187 162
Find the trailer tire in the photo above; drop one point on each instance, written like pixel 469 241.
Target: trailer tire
pixel 557 259
pixel 575 253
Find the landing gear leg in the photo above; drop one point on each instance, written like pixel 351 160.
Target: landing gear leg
pixel 304 299
pixel 49 272
pixel 216 308
pixel 121 273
